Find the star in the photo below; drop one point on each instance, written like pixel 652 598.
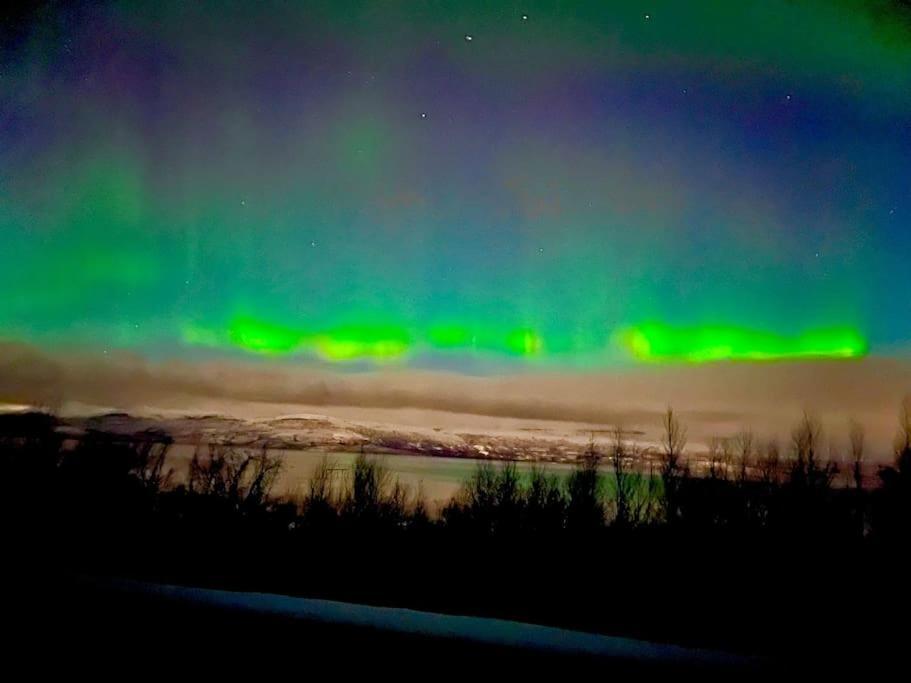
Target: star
pixel 524 17
pixel 469 37
pixel 423 114
pixel 648 16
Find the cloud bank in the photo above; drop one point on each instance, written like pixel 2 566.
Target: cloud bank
pixel 714 399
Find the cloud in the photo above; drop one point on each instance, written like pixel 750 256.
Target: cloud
pixel 714 399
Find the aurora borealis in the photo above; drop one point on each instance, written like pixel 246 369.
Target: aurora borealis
pixel 442 184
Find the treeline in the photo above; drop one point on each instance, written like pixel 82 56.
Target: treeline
pixel 741 486
pixel 754 547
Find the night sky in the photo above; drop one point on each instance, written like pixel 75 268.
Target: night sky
pixel 458 184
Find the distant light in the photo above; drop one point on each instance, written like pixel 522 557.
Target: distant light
pixel 468 37
pixel 423 114
pixel 524 17
pixel 648 16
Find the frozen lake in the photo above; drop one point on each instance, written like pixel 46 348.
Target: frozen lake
pixel 438 477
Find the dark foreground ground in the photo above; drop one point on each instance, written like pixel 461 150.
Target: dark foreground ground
pixel 104 625
pixel 95 626
pixel 775 568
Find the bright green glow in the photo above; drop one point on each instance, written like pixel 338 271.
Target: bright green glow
pixel 352 342
pixel 648 343
pixel 373 341
pixel 524 342
pixel 263 337
pixel 349 342
pixel 657 342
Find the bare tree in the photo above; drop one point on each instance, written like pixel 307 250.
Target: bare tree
pixel 320 484
pixel 673 469
pixel 624 485
pixel 744 444
pixel 674 437
pixel 420 512
pixel 545 502
pixel 243 478
pixel 770 463
pixel 150 459
pixel 367 489
pixel 585 508
pixel 806 438
pixel 716 459
pixel 807 470
pixel 856 438
pixel 727 457
pixel 265 470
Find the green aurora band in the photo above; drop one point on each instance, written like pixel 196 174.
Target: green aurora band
pixel 582 185
pixel 655 342
pixel 375 342
pixel 649 342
